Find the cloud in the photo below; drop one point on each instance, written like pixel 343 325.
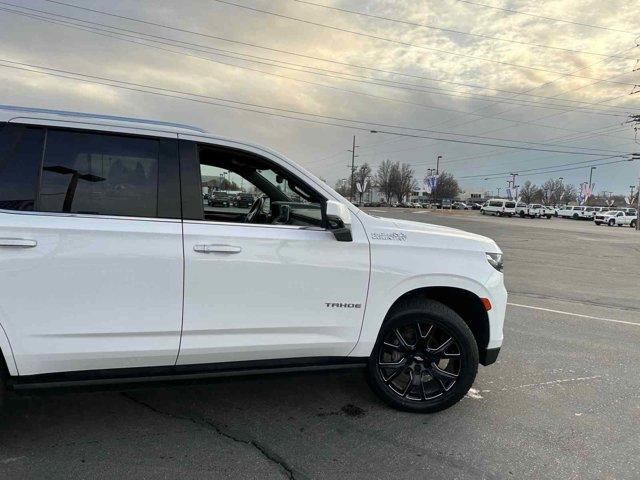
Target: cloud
pixel 56 46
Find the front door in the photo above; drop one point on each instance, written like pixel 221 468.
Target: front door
pixel 264 284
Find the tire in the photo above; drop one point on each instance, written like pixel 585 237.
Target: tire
pixel 483 212
pixel 598 223
pixel 612 222
pixel 633 223
pixel 576 216
pixel 548 217
pixel 417 331
pixel 521 214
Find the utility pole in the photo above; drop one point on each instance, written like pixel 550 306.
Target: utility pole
pixel 515 187
pixel 591 177
pixel 438 164
pixel 353 169
pixel 499 188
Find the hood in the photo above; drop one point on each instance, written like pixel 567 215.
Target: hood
pixel 426 234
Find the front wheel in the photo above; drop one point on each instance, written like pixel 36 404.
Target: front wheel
pixel 598 223
pixel 633 224
pixel 425 359
pixel 612 222
pixel 548 217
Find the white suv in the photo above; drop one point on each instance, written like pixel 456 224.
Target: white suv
pixel 112 268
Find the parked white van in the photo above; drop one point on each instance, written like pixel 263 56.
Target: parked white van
pixel 112 268
pixel 499 207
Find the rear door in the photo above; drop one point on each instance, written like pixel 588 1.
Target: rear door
pixel 256 291
pixel 90 249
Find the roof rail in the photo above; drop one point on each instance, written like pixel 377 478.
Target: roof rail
pixel 98 116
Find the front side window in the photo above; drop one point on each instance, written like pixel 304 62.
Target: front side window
pixel 100 174
pixel 20 157
pixel 243 188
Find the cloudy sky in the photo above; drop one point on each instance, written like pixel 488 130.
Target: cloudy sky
pixel 295 75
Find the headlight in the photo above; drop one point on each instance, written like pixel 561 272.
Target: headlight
pixel 495 259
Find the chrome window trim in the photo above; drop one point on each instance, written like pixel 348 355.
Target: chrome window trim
pixel 89 216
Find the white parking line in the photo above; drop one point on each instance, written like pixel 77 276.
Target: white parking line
pixel 574 314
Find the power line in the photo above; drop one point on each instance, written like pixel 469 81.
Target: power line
pixel 245 106
pixel 518 12
pixel 450 30
pixel 433 107
pixel 406 44
pixel 498 174
pixel 566 169
pixel 304 68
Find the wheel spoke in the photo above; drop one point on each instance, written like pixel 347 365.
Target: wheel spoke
pixel 442 376
pixel 426 334
pixel 409 384
pixel 395 367
pixel 392 345
pixel 441 350
pixel 402 341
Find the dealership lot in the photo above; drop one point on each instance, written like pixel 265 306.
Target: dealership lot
pixel 562 401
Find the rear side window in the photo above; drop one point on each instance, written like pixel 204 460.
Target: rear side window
pixel 20 157
pixel 100 174
pixel 510 205
pixel 495 204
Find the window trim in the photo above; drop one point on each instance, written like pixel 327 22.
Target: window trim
pixel 168 201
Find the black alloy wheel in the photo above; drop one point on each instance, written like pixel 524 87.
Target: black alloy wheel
pixel 425 359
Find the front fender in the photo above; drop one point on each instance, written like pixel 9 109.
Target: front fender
pixel 380 301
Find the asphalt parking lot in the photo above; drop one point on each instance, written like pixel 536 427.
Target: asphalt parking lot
pixel 563 401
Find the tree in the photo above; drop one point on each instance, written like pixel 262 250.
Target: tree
pixel 395 181
pixel 362 176
pixel 447 187
pixel 383 177
pixel 342 188
pixel 528 192
pixel 407 183
pixel 569 193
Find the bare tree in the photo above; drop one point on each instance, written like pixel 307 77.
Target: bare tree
pixel 569 193
pixel 395 181
pixel 383 177
pixel 447 187
pixel 362 175
pixel 342 188
pixel 409 183
pixel 528 192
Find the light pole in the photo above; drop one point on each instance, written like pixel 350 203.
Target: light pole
pixel 438 164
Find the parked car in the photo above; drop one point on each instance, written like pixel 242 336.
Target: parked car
pixel 476 206
pixel 537 210
pixel 416 205
pixel 459 206
pixel 244 200
pixel 557 208
pixel 499 207
pixel 521 209
pixel 574 212
pixel 220 199
pixel 419 306
pixel 618 218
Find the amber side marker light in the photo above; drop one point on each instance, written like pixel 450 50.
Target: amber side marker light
pixel 486 303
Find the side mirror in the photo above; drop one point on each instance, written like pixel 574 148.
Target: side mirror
pixel 339 220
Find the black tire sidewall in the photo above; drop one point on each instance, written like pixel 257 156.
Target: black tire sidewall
pixel 447 320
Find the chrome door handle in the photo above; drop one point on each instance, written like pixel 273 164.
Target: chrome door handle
pixel 17 242
pixel 216 249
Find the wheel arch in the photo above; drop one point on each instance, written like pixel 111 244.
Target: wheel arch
pixel 464 302
pixel 7 361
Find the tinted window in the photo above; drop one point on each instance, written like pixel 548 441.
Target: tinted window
pixel 99 174
pixel 510 205
pixel 20 157
pixel 495 204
